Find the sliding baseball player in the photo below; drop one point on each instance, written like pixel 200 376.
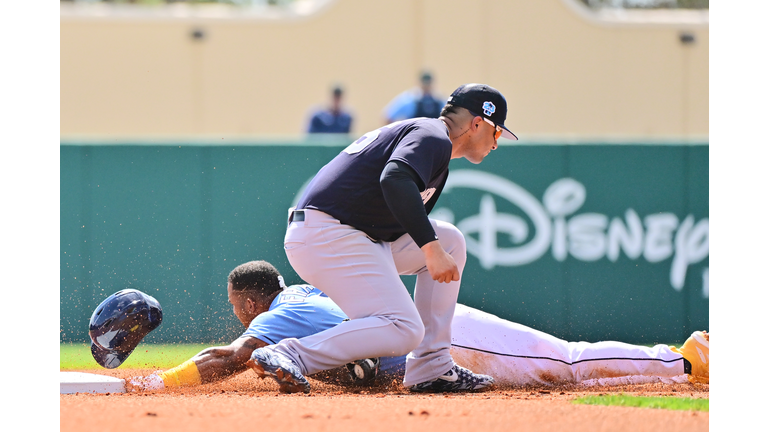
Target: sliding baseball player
pixel 514 354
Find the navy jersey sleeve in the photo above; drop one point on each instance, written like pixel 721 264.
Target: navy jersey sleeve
pixel 425 152
pixel 400 185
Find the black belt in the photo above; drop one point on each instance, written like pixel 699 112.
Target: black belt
pixel 296 216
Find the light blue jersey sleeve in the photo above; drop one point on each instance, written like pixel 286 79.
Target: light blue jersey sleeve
pixel 299 311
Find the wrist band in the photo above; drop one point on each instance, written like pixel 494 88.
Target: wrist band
pixel 182 375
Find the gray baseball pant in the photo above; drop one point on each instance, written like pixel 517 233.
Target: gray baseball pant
pixel 362 277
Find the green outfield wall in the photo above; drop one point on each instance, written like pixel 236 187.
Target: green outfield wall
pixel 587 241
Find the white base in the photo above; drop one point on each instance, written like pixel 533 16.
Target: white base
pixel 78 382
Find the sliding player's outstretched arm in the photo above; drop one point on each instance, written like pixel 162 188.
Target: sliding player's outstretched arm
pixel 217 363
pixel 209 365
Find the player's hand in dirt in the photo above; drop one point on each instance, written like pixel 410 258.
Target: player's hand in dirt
pixel 148 383
pixel 440 264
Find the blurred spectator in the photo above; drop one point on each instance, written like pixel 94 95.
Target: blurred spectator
pixel 420 101
pixel 333 119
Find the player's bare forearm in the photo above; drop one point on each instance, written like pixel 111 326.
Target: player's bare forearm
pixel 209 365
pixel 217 363
pixel 440 264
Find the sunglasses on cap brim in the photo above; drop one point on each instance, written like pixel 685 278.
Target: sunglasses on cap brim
pixel 499 130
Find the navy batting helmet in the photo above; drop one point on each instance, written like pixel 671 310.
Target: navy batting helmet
pixel 120 323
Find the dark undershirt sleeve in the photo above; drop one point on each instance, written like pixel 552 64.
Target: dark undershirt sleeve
pixel 400 185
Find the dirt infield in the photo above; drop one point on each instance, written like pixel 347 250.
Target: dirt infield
pixel 249 404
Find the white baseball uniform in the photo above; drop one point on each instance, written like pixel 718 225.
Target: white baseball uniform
pixel 518 355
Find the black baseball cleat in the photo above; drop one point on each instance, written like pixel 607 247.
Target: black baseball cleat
pixel 363 372
pixel 266 362
pixel 457 379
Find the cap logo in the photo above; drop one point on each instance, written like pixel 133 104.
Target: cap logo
pixel 489 108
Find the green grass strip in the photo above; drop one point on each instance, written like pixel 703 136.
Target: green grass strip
pixel 659 402
pixel 145 356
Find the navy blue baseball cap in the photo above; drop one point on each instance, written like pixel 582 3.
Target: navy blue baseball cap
pixel 485 101
pixel 119 323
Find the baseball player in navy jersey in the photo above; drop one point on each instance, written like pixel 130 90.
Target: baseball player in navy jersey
pixel 515 354
pixel 362 221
